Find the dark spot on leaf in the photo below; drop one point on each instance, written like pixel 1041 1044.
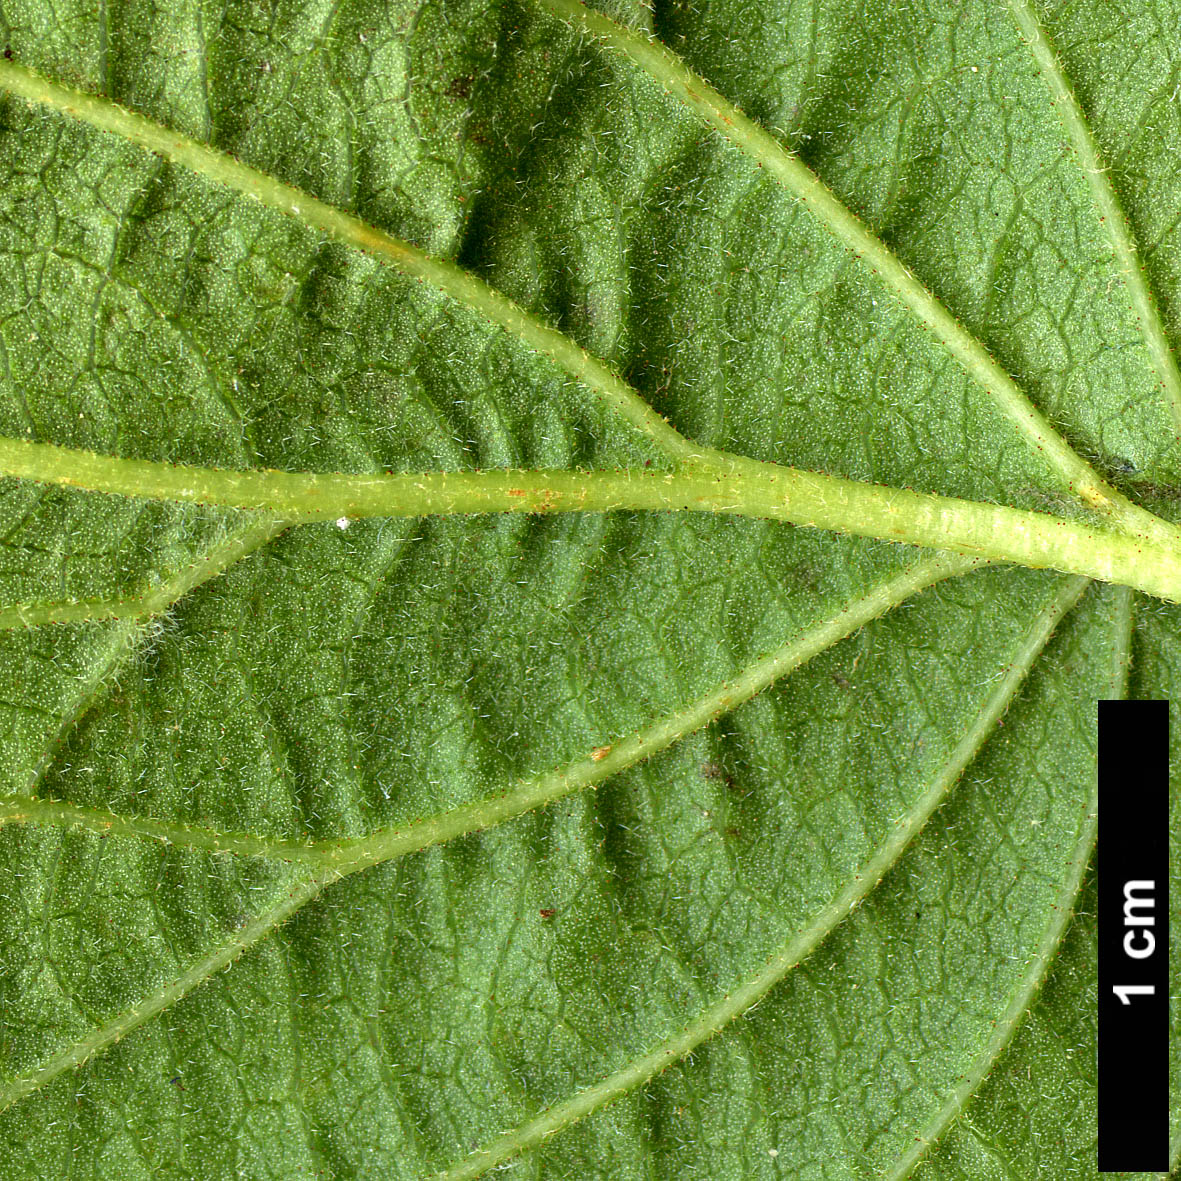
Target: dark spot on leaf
pixel 712 770
pixel 547 912
pixel 460 87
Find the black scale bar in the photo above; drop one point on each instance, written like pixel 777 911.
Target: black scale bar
pixel 1133 936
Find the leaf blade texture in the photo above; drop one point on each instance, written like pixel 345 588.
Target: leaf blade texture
pixel 631 841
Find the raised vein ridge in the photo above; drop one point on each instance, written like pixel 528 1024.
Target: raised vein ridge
pixel 352 855
pixel 1111 213
pixel 235 546
pixel 745 487
pixel 717 112
pixel 717 1016
pixel 117 645
pixel 460 285
pixel 337 859
pixel 1035 975
pixel 121 639
pixel 166 996
pixel 466 288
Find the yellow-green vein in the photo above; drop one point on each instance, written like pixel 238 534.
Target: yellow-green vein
pixel 713 1019
pixel 716 111
pixel 349 856
pixel 460 285
pixel 1111 213
pixel 175 990
pixel 119 640
pixel 1006 1025
pixel 110 650
pixel 335 860
pixel 744 488
pixel 156 599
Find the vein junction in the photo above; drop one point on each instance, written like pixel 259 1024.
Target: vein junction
pixel 1141 554
pixel 748 993
pixel 344 857
pixel 330 861
pixel 1080 479
pixel 717 112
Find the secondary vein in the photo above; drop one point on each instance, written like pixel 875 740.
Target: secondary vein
pixel 335 860
pixel 113 649
pixel 352 855
pixel 741 999
pixel 344 227
pixel 717 112
pixel 156 1002
pixel 156 600
pixel 1034 977
pixel 1111 212
pixel 120 640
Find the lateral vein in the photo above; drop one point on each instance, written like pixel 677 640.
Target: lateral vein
pixel 460 285
pixel 717 1016
pixel 1111 212
pixel 717 112
pixel 349 856
pixel 336 860
pixel 154 601
pixel 166 996
pixel 1034 977
pixel 121 639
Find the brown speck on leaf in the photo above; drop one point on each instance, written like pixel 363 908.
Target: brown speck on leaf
pixel 547 912
pixel 712 770
pixel 600 753
pixel 460 87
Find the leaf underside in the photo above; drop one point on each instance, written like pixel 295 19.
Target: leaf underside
pixel 603 844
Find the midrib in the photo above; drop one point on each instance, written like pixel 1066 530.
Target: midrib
pixel 745 488
pixel 470 291
pixel 1078 478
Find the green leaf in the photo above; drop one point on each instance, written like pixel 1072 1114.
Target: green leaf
pixel 555 571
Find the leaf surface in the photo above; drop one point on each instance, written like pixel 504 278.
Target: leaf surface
pixel 433 739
